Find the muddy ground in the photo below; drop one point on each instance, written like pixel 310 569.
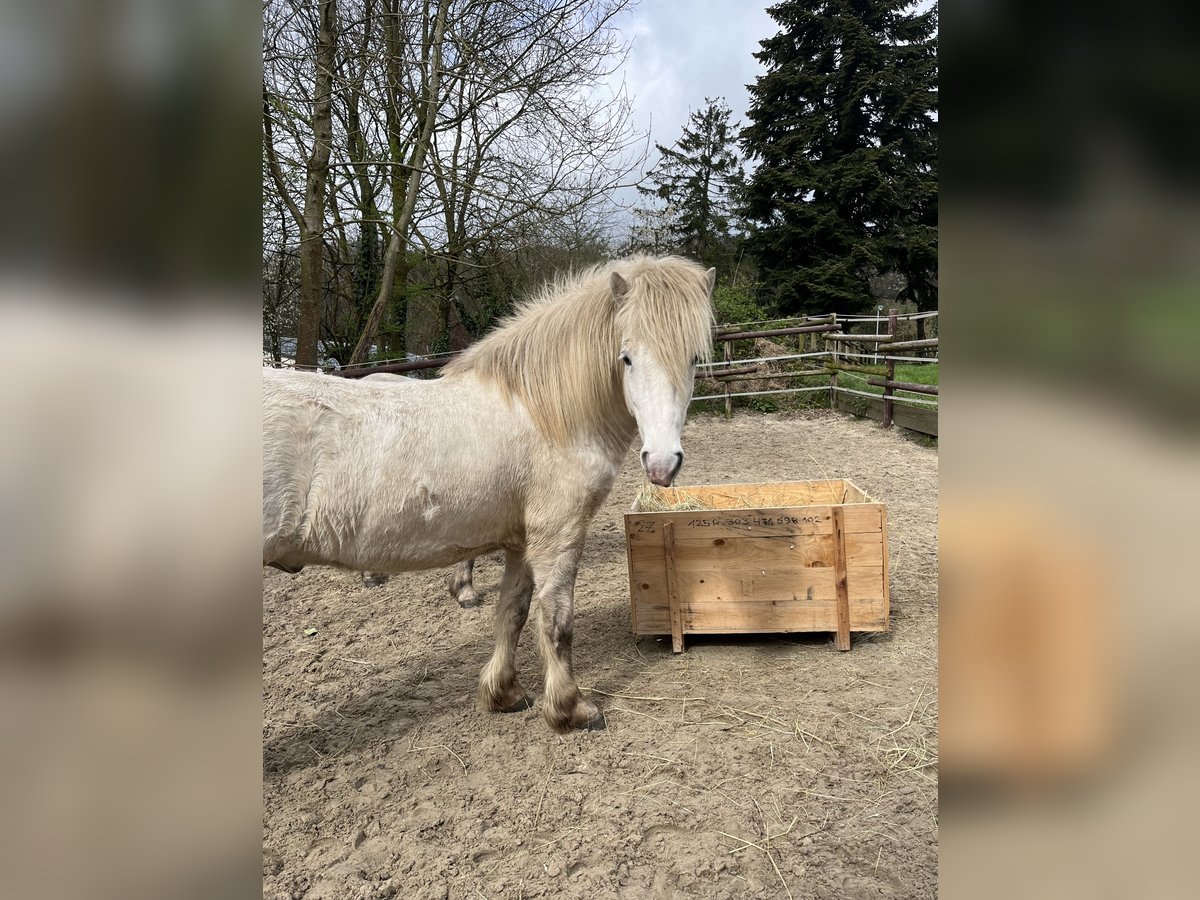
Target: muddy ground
pixel 750 766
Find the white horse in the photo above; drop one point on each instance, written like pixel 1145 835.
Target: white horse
pixel 461 581
pixel 513 448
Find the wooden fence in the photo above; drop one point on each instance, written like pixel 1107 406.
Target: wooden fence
pixel 828 347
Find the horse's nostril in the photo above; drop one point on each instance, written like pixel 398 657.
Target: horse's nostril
pixel 645 453
pixel 678 462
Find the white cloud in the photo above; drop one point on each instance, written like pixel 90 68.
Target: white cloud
pixel 685 52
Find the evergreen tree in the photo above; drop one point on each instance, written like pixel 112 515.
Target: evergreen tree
pixel 694 179
pixel 843 126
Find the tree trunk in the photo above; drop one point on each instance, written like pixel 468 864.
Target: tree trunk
pixel 403 218
pixel 311 244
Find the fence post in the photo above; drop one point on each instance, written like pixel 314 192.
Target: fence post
pixel 834 358
pixel 890 369
pixel 728 345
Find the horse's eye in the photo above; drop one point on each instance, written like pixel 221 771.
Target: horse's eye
pixel 625 359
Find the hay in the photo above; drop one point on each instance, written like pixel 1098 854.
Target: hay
pixel 650 499
pixel 653 499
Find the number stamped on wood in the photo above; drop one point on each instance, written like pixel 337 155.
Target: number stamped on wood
pixel 751 521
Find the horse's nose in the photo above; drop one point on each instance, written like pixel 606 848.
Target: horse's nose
pixel 661 468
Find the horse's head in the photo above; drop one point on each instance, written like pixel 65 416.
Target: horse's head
pixel 667 333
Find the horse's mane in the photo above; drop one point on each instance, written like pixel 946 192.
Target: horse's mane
pixel 557 353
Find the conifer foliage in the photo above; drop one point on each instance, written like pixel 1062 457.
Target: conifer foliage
pixel 843 127
pixel 695 180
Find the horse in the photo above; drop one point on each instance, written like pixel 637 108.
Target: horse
pixel 461 581
pixel 514 448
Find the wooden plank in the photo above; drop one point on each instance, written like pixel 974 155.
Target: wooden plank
pixel 912 386
pixel 887 588
pixel 864 338
pixel 772 553
pixel 633 602
pixel 842 641
pixel 833 358
pixel 728 400
pixel 770 376
pixel 745 496
pixel 361 371
pixel 917 418
pixel 725 585
pixel 855 367
pixel 794 551
pixel 765 616
pixel 723 372
pixel 865 584
pixel 774 332
pixel 855 494
pixel 922 344
pixel 888 375
pixel 768 616
pixel 672 588
pixel 923 419
pixel 735 585
pixel 798 320
pixel 710 525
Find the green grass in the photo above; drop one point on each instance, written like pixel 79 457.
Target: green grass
pixel 914 373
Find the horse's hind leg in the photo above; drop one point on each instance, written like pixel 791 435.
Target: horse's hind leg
pixel 499 689
pixel 554 579
pixel 462 585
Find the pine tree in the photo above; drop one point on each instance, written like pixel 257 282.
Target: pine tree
pixel 843 126
pixel 695 179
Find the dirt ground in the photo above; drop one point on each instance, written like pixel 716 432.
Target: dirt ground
pixel 760 766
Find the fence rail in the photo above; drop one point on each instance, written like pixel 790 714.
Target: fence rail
pixel 890 407
pixel 876 366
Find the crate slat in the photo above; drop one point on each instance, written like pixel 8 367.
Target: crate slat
pixel 841 579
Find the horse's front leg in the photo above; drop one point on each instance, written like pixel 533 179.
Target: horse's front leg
pixel 499 689
pixel 554 584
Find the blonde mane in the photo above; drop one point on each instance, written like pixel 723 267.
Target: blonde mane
pixel 558 353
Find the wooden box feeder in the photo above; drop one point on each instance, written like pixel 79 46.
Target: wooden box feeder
pixel 758 558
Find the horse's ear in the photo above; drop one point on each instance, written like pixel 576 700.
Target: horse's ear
pixel 711 277
pixel 620 287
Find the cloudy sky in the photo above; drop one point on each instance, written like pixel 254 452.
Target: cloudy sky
pixel 683 52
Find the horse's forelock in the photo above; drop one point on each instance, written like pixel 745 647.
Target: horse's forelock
pixel 557 353
pixel 668 310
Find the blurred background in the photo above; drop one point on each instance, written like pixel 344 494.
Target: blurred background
pixel 130 279
pixel 1070 225
pixel 130 600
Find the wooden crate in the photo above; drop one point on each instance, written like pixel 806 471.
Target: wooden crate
pixel 795 556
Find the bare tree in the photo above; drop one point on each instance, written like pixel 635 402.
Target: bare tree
pixel 465 131
pixel 431 75
pixel 311 218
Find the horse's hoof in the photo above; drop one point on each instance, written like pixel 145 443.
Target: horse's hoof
pixel 596 723
pixel 520 706
pixel 470 603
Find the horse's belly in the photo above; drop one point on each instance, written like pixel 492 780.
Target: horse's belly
pixel 428 532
